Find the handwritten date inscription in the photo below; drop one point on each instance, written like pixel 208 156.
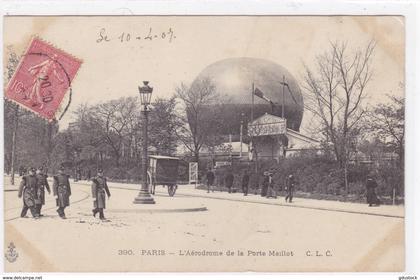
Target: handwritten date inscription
pixel 147 35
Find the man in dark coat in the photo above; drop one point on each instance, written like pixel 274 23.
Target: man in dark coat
pixel 371 197
pixel 88 175
pixel 42 184
pixel 210 180
pixel 245 182
pixel 21 173
pixel 265 183
pixel 290 187
pixel 78 174
pixel 99 188
pixel 229 180
pixel 62 191
pixel 28 190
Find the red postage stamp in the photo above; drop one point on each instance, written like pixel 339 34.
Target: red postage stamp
pixel 42 78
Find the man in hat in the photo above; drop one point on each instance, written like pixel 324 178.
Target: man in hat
pixel 229 180
pixel 42 184
pixel 28 189
pixel 99 188
pixel 265 183
pixel 290 187
pixel 88 176
pixel 371 197
pixel 62 191
pixel 245 182
pixel 210 180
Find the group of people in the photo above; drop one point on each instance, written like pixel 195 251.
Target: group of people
pixel 33 185
pixel 32 189
pixel 268 188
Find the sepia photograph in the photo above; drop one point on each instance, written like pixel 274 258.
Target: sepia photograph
pixel 206 143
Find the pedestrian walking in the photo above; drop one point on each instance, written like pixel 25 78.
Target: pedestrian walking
pixel 271 192
pixel 371 197
pixel 245 182
pixel 62 191
pixel 28 190
pixel 99 189
pixel 265 183
pixel 76 175
pixel 229 180
pixel 42 184
pixel 21 171
pixel 88 175
pixel 210 180
pixel 290 187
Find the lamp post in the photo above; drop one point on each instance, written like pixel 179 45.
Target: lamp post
pixel 144 196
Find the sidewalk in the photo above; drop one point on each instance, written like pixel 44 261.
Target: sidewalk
pixel 392 211
pixel 338 206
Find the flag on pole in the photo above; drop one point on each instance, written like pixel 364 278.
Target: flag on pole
pixel 259 93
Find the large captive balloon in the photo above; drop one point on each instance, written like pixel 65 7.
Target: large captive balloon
pixel 233 80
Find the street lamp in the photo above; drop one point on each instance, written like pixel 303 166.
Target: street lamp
pixel 144 196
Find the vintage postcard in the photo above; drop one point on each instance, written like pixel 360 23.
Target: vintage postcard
pixel 204 143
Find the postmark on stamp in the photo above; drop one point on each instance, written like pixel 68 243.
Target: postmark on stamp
pixel 42 78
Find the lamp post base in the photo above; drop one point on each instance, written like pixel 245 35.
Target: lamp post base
pixel 144 198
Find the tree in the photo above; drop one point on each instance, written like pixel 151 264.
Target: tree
pixel 63 150
pixel 387 122
pixel 12 111
pixel 335 91
pixel 111 131
pixel 199 121
pixel 112 123
pixel 163 125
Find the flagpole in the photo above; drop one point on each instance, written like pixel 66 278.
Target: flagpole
pixel 282 103
pixel 252 105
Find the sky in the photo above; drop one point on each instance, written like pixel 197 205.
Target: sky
pixel 118 55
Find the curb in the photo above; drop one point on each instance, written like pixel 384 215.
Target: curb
pixel 181 210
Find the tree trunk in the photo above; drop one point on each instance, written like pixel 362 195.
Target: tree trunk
pixel 49 147
pixel 346 181
pixel 117 160
pixel 101 158
pixel 401 156
pixel 7 163
pixel 196 156
pixel 14 135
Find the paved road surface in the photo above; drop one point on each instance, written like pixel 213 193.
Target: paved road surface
pixel 356 242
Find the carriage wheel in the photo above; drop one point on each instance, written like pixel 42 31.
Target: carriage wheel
pixel 172 189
